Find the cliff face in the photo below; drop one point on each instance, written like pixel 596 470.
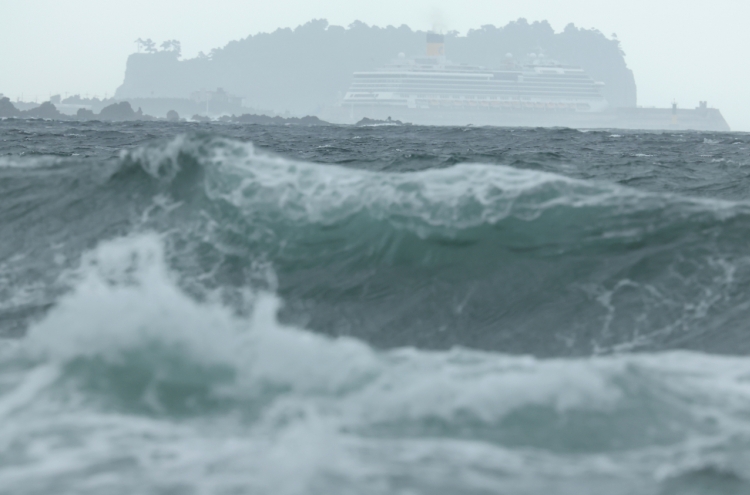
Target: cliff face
pixel 303 69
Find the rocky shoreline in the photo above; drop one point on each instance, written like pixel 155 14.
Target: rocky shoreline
pixel 123 112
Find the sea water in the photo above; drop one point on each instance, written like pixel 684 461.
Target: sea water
pixel 223 309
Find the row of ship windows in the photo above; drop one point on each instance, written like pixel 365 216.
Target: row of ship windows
pixel 460 91
pixel 459 103
pixel 482 84
pixel 476 94
pixel 507 96
pixel 473 80
pixel 402 103
pixel 525 97
pixel 455 80
pixel 459 79
pixel 549 77
pixel 400 86
pixel 476 82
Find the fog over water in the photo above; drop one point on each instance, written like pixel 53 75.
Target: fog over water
pixel 686 51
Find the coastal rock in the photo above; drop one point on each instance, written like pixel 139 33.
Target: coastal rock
pixel 44 111
pixel 7 109
pixel 118 111
pixel 173 116
pixel 85 114
pixel 365 121
pixel 265 119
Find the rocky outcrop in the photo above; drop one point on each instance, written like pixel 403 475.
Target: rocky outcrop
pixel 118 111
pixel 266 120
pixel 389 121
pixel 85 114
pixel 44 111
pixel 7 109
pixel 304 69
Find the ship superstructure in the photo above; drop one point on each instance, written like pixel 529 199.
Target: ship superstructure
pixel 538 92
pixel 434 83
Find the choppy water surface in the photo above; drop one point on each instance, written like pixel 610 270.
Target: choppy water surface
pixel 222 309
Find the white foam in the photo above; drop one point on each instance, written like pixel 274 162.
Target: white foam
pixel 451 199
pixel 22 161
pixel 126 299
pixel 317 433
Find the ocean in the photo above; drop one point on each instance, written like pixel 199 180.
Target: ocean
pixel 244 309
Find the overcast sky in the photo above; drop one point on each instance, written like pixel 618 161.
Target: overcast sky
pixel 686 50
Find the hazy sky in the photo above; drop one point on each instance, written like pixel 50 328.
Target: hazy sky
pixel 687 50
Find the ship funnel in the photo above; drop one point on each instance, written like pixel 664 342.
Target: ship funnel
pixel 435 45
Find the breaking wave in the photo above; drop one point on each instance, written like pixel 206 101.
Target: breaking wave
pixel 129 384
pixel 196 316
pixel 482 256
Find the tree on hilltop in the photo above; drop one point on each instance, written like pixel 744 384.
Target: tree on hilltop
pixel 149 46
pixel 173 46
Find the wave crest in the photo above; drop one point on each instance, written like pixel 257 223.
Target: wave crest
pixel 484 256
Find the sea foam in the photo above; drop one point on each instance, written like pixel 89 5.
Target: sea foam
pixel 129 384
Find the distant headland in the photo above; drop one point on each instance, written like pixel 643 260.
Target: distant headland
pixel 303 70
pixel 521 74
pixel 296 72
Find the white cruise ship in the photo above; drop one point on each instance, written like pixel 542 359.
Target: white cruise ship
pixel 433 90
pixel 540 93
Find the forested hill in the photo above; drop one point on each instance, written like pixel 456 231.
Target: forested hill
pixel 302 69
